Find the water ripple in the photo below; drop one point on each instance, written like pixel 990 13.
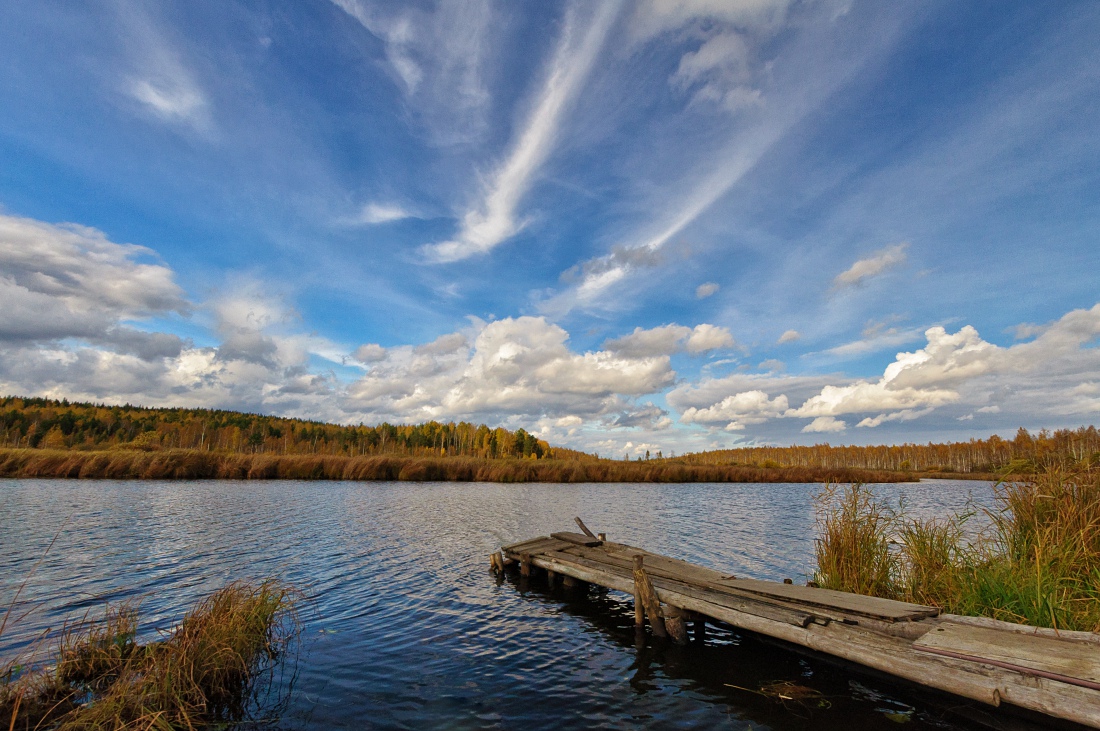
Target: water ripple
pixel 405 628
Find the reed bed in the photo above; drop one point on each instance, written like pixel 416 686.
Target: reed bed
pixel 208 672
pixel 185 464
pixel 1036 561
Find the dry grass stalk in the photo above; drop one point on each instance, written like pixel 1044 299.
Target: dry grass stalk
pixel 1038 562
pixel 204 673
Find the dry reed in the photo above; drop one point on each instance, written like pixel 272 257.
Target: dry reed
pixel 1037 562
pixel 204 673
pixel 185 464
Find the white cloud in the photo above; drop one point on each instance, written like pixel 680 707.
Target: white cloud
pixel 669 339
pixel 494 219
pixel 708 337
pixel 905 415
pixel 738 410
pixel 875 341
pixel 789 336
pixel 519 366
pixel 871 266
pixel 825 425
pixel 437 59
pixel 369 353
pixel 792 91
pixel 652 17
pixel 67 281
pixel 160 80
pixel 1047 376
pixel 706 290
pixel 375 213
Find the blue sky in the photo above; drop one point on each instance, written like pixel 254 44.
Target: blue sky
pixel 663 224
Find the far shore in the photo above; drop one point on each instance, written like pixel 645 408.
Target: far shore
pixel 185 464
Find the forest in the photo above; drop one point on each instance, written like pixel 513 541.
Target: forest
pixel 48 424
pixel 1025 453
pixel 40 423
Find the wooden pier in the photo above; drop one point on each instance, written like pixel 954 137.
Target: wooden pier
pixel 1056 674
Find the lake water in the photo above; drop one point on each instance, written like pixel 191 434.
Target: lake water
pixel 406 628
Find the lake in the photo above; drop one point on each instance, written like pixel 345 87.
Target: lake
pixel 405 627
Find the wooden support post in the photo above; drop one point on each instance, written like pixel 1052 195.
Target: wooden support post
pixel 644 587
pixel 674 623
pixel 495 563
pixel 568 581
pixel 525 565
pixel 677 630
pixel 551 578
pixel 699 629
pixel 601 536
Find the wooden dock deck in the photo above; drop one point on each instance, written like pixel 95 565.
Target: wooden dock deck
pixel 1053 673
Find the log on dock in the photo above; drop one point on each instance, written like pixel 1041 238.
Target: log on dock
pixel 1052 673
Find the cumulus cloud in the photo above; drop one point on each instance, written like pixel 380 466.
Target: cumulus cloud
pixel 738 410
pixel 789 336
pixel 369 353
pixel 67 281
pixel 516 366
pixel 645 416
pixel 872 266
pixel 825 425
pixel 494 219
pixel 706 290
pixel 1049 375
pixel 669 339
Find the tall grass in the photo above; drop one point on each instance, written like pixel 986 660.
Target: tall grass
pixel 853 553
pixel 186 464
pixel 1036 562
pixel 204 673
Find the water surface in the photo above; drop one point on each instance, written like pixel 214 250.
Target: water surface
pixel 406 628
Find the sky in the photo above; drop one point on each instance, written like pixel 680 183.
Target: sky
pixel 666 225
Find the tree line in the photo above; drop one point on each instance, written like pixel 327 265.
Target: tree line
pixel 1025 453
pixel 41 423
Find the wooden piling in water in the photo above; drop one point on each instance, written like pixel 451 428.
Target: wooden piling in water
pixel 675 624
pixel 1050 672
pixel 644 587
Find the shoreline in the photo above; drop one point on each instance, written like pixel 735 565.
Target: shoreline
pixel 182 464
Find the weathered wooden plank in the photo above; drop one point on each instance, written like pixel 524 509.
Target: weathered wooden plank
pixel 891 655
pixel 855 603
pixel 1087 638
pixel 579 538
pixel 750 605
pixel 866 606
pixel 1067 662
pixel 522 545
pixel 619 560
pixel 538 546
pixel 666 562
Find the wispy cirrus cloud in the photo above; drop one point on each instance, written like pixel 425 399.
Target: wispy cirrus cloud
pixel 494 219
pixel 437 59
pixel 158 78
pixel 728 70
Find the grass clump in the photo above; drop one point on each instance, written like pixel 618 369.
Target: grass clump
pixel 853 553
pixel 1037 561
pixel 206 672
